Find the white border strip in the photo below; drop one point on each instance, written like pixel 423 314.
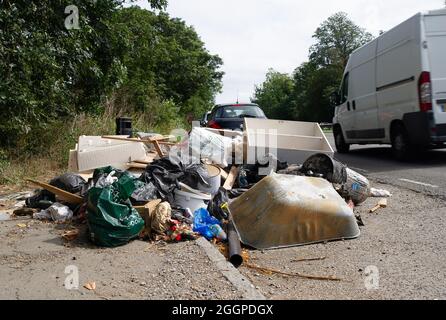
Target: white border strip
pixel 420 183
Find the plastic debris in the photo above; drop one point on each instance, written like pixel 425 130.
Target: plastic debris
pixel 218 206
pixel 211 146
pixel 192 199
pixel 218 232
pixel 144 193
pixel 5 216
pixel 183 215
pixel 165 174
pixel 43 199
pixel 203 222
pixel 56 212
pixel 111 218
pixel 181 232
pixel 379 193
pixel 70 182
pixel 357 187
pixel 249 175
pixel 215 204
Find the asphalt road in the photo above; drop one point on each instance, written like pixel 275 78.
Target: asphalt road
pixel 424 172
pixel 404 243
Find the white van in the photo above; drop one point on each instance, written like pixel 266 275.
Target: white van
pixel 394 88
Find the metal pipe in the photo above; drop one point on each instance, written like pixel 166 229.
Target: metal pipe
pixel 235 249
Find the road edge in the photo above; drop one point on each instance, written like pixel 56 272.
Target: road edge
pixel 230 272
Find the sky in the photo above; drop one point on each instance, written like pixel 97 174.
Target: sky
pixel 252 36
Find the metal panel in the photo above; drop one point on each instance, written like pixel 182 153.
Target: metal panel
pixel 284 211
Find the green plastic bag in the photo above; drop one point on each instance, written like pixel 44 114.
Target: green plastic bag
pixel 111 218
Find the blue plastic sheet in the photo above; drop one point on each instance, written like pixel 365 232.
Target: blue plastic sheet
pixel 203 222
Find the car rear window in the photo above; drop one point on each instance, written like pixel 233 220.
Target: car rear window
pixel 240 111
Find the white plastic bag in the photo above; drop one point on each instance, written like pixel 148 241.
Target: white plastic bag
pixel 213 147
pixel 379 193
pixel 57 212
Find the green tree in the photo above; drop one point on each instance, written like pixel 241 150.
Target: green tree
pixel 46 70
pixel 165 60
pixel 130 58
pixel 274 96
pixel 336 38
pixel 307 98
pixel 313 87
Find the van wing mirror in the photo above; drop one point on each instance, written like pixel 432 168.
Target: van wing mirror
pixel 335 99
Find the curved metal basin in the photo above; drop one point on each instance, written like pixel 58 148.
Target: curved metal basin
pixel 284 211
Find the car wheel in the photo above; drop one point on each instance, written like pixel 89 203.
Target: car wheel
pixel 341 146
pixel 400 143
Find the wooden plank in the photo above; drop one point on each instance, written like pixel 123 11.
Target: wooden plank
pixel 148 139
pixel 163 138
pixel 381 204
pixel 224 174
pixel 229 183
pixel 154 141
pixel 123 139
pixel 62 194
pixel 158 148
pixel 167 143
pixel 146 162
pixel 136 165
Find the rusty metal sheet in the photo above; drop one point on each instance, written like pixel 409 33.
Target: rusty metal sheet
pixel 285 211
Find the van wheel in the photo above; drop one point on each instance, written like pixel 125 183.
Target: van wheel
pixel 400 143
pixel 341 146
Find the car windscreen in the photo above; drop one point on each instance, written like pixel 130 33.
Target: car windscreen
pixel 232 112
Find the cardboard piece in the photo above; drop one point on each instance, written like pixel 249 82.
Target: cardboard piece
pixel 95 152
pixel 62 194
pixel 72 161
pixel 230 180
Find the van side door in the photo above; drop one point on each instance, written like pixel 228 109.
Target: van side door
pixel 363 95
pixel 345 115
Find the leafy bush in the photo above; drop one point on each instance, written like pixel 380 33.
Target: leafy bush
pixel 121 61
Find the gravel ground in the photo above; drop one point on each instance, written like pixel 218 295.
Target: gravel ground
pixel 406 242
pixel 33 262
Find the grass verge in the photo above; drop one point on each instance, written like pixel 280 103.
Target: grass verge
pixel 43 153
